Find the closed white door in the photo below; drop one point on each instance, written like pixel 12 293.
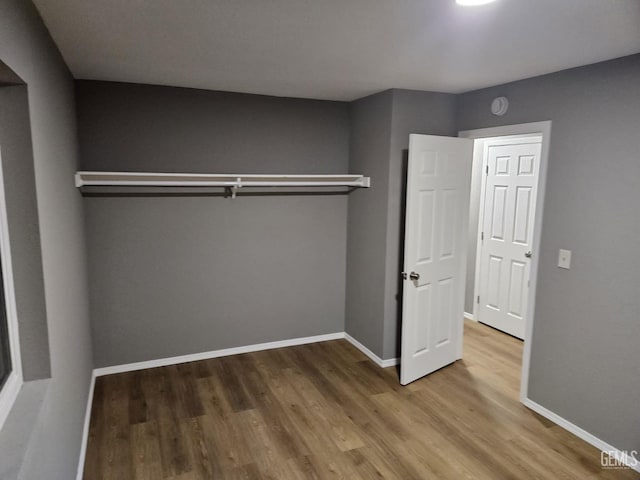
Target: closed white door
pixel 437 212
pixel 507 213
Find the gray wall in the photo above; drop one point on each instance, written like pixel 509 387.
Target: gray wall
pixel 585 356
pixel 146 128
pixel 370 120
pixel 27 48
pixel 380 128
pixel 413 111
pixel 8 76
pixel 175 275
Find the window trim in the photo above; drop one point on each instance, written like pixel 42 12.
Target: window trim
pixel 9 391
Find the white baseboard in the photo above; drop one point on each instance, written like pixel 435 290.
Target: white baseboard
pixel 193 357
pixel 580 433
pixel 162 362
pixel 379 361
pixel 469 316
pixel 557 419
pixel 85 429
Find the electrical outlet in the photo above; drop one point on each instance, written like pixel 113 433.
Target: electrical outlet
pixel 564 259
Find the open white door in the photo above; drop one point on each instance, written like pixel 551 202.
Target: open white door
pixel 437 213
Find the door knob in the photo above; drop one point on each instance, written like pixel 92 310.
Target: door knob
pixel 528 254
pixel 414 276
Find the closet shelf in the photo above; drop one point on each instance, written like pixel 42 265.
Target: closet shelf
pixel 232 181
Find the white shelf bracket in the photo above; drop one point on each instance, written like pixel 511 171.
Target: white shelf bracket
pixel 235 188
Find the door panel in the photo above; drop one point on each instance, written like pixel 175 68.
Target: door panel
pixel 507 232
pixel 426 218
pixel 499 203
pixel 517 284
pixel 449 209
pixel 495 272
pixel 424 302
pixel 445 327
pixel 438 186
pixel 523 218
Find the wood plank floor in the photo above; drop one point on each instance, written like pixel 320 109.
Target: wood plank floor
pixel 325 411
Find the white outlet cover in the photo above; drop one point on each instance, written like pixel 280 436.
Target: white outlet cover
pixel 564 259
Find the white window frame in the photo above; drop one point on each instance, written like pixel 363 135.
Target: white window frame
pixel 11 388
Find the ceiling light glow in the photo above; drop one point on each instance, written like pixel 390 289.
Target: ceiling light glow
pixel 473 3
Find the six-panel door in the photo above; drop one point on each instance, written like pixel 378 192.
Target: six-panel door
pixel 438 186
pixel 507 232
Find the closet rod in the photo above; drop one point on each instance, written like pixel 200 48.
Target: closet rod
pixel 105 179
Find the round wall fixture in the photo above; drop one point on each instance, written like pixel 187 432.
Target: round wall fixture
pixel 499 106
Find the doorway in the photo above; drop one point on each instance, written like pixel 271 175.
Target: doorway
pixel 439 187
pixel 507 196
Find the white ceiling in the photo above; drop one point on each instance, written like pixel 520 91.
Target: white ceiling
pixel 336 49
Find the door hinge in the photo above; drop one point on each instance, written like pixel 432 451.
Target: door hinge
pixel 486 170
pixel 478 299
pixel 481 235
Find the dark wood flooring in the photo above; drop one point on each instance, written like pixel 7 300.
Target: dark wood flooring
pixel 324 411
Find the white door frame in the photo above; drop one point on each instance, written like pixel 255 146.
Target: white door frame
pixel 524 129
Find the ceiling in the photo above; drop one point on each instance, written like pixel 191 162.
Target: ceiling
pixel 335 49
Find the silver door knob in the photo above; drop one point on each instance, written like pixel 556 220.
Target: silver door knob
pixel 414 276
pixel 528 254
